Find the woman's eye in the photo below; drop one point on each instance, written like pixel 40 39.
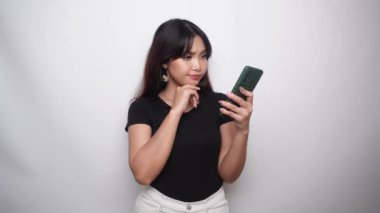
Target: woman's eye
pixel 204 56
pixel 187 57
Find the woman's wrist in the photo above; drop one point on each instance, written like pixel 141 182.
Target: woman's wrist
pixel 175 112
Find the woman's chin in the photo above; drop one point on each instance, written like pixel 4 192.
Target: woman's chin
pixel 193 82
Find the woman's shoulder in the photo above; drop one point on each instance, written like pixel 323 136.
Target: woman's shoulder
pixel 140 111
pixel 143 102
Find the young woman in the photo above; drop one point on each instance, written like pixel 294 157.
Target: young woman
pixel 184 140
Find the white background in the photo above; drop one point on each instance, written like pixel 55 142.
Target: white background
pixel 69 68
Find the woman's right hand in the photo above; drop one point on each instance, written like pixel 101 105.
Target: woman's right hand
pixel 185 98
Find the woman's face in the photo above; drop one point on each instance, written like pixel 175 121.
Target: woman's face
pixel 190 68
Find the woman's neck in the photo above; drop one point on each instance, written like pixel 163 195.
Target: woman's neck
pixel 169 92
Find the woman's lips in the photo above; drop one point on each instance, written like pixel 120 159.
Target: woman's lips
pixel 195 77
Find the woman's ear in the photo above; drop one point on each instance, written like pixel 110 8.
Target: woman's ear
pixel 165 66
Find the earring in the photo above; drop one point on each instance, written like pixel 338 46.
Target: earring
pixel 165 78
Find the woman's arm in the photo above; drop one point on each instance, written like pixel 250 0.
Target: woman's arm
pixel 233 152
pixel 235 136
pixel 148 154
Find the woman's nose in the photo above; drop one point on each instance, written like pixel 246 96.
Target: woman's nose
pixel 196 64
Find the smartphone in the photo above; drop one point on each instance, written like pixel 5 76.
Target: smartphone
pixel 248 79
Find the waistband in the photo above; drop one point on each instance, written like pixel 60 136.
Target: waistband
pixel 214 200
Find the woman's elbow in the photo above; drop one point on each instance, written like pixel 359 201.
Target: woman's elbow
pixel 229 180
pixel 142 179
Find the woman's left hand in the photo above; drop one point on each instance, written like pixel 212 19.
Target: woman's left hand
pixel 242 113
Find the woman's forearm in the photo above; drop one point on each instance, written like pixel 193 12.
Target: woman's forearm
pixel 151 158
pixel 233 162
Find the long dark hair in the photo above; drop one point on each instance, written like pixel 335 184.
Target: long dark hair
pixel 172 39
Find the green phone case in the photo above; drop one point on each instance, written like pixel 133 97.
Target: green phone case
pixel 248 79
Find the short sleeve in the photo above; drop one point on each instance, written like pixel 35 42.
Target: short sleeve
pixel 138 113
pixel 223 118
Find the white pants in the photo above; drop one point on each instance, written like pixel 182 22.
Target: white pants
pixel 151 201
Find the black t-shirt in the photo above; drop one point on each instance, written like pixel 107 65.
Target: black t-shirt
pixel 191 172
